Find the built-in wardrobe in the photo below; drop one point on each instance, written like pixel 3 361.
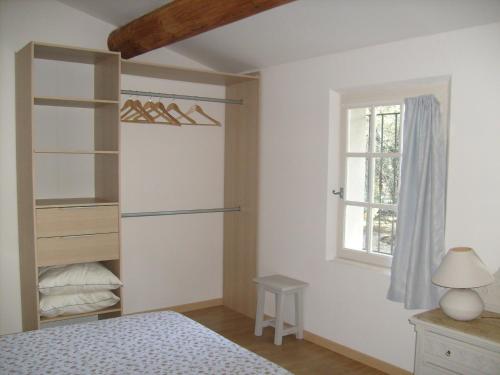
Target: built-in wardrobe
pixel 85 194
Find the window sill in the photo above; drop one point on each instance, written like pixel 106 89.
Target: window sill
pixel 383 269
pixel 365 257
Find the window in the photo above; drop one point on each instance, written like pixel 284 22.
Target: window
pixel 371 162
pixel 370 166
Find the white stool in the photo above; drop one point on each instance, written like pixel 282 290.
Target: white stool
pixel 280 286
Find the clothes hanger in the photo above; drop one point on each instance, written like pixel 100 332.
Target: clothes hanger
pixel 140 115
pixel 155 111
pixel 174 107
pixel 162 108
pixel 136 113
pixel 196 108
pixel 127 107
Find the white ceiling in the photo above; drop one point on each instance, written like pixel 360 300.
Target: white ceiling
pixel 307 28
pixel 115 12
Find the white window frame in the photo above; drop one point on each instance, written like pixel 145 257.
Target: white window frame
pixel 392 94
pixel 365 256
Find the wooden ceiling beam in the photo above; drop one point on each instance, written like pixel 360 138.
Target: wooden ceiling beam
pixel 179 20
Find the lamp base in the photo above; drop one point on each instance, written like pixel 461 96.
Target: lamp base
pixel 462 304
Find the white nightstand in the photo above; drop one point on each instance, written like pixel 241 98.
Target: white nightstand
pixel 448 346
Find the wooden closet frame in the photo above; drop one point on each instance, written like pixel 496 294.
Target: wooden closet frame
pixel 240 166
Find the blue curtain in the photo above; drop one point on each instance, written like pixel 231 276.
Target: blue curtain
pixel 420 228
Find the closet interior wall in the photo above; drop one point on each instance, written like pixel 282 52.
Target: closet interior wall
pixel 176 259
pixel 196 257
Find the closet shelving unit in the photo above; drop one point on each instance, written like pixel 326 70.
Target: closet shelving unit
pixel 57 225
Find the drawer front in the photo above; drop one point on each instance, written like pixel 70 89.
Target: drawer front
pixel 459 355
pixel 67 221
pixel 77 249
pixel 430 369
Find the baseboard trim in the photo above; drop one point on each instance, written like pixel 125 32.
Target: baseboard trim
pixel 354 354
pixel 186 307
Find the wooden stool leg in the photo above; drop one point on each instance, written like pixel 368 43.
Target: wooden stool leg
pixel 278 329
pixel 299 311
pixel 259 316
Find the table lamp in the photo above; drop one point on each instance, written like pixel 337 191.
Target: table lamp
pixel 460 270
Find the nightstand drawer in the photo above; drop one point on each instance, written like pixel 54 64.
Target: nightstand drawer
pixel 66 221
pixel 460 356
pixel 430 369
pixel 77 249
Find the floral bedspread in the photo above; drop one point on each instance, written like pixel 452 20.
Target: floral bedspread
pixel 152 343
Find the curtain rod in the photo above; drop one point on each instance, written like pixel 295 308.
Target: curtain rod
pixel 184 97
pixel 179 212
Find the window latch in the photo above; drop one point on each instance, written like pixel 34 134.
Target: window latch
pixel 340 193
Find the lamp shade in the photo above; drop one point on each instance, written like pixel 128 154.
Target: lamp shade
pixel 462 268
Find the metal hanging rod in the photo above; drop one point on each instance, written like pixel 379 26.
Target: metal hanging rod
pixel 186 97
pixel 180 212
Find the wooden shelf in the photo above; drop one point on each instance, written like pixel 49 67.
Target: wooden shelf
pixel 73 202
pixel 177 73
pixel 93 313
pixel 76 152
pixel 49 51
pixel 72 102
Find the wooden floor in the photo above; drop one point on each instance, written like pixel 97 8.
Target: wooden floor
pixel 297 356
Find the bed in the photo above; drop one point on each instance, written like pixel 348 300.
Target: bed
pixel 152 343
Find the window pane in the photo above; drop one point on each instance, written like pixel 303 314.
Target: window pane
pixel 357 179
pixel 383 231
pixel 359 129
pixel 355 227
pixel 387 128
pixel 386 180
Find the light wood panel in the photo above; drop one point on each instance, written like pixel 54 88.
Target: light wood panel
pixel 297 356
pixel 178 73
pixel 75 152
pixel 107 78
pixel 49 51
pixel 73 102
pixel 110 310
pixel 106 177
pixel 73 202
pixel 55 251
pixel 107 134
pixel 67 221
pixel 106 130
pixel 241 189
pixel 25 188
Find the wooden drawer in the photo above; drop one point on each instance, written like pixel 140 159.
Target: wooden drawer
pixel 459 356
pixel 77 249
pixel 66 221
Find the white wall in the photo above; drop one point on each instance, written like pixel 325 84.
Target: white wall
pixel 345 301
pixel 22 21
pixel 172 260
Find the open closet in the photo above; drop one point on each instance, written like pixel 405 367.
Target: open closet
pixel 70 188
